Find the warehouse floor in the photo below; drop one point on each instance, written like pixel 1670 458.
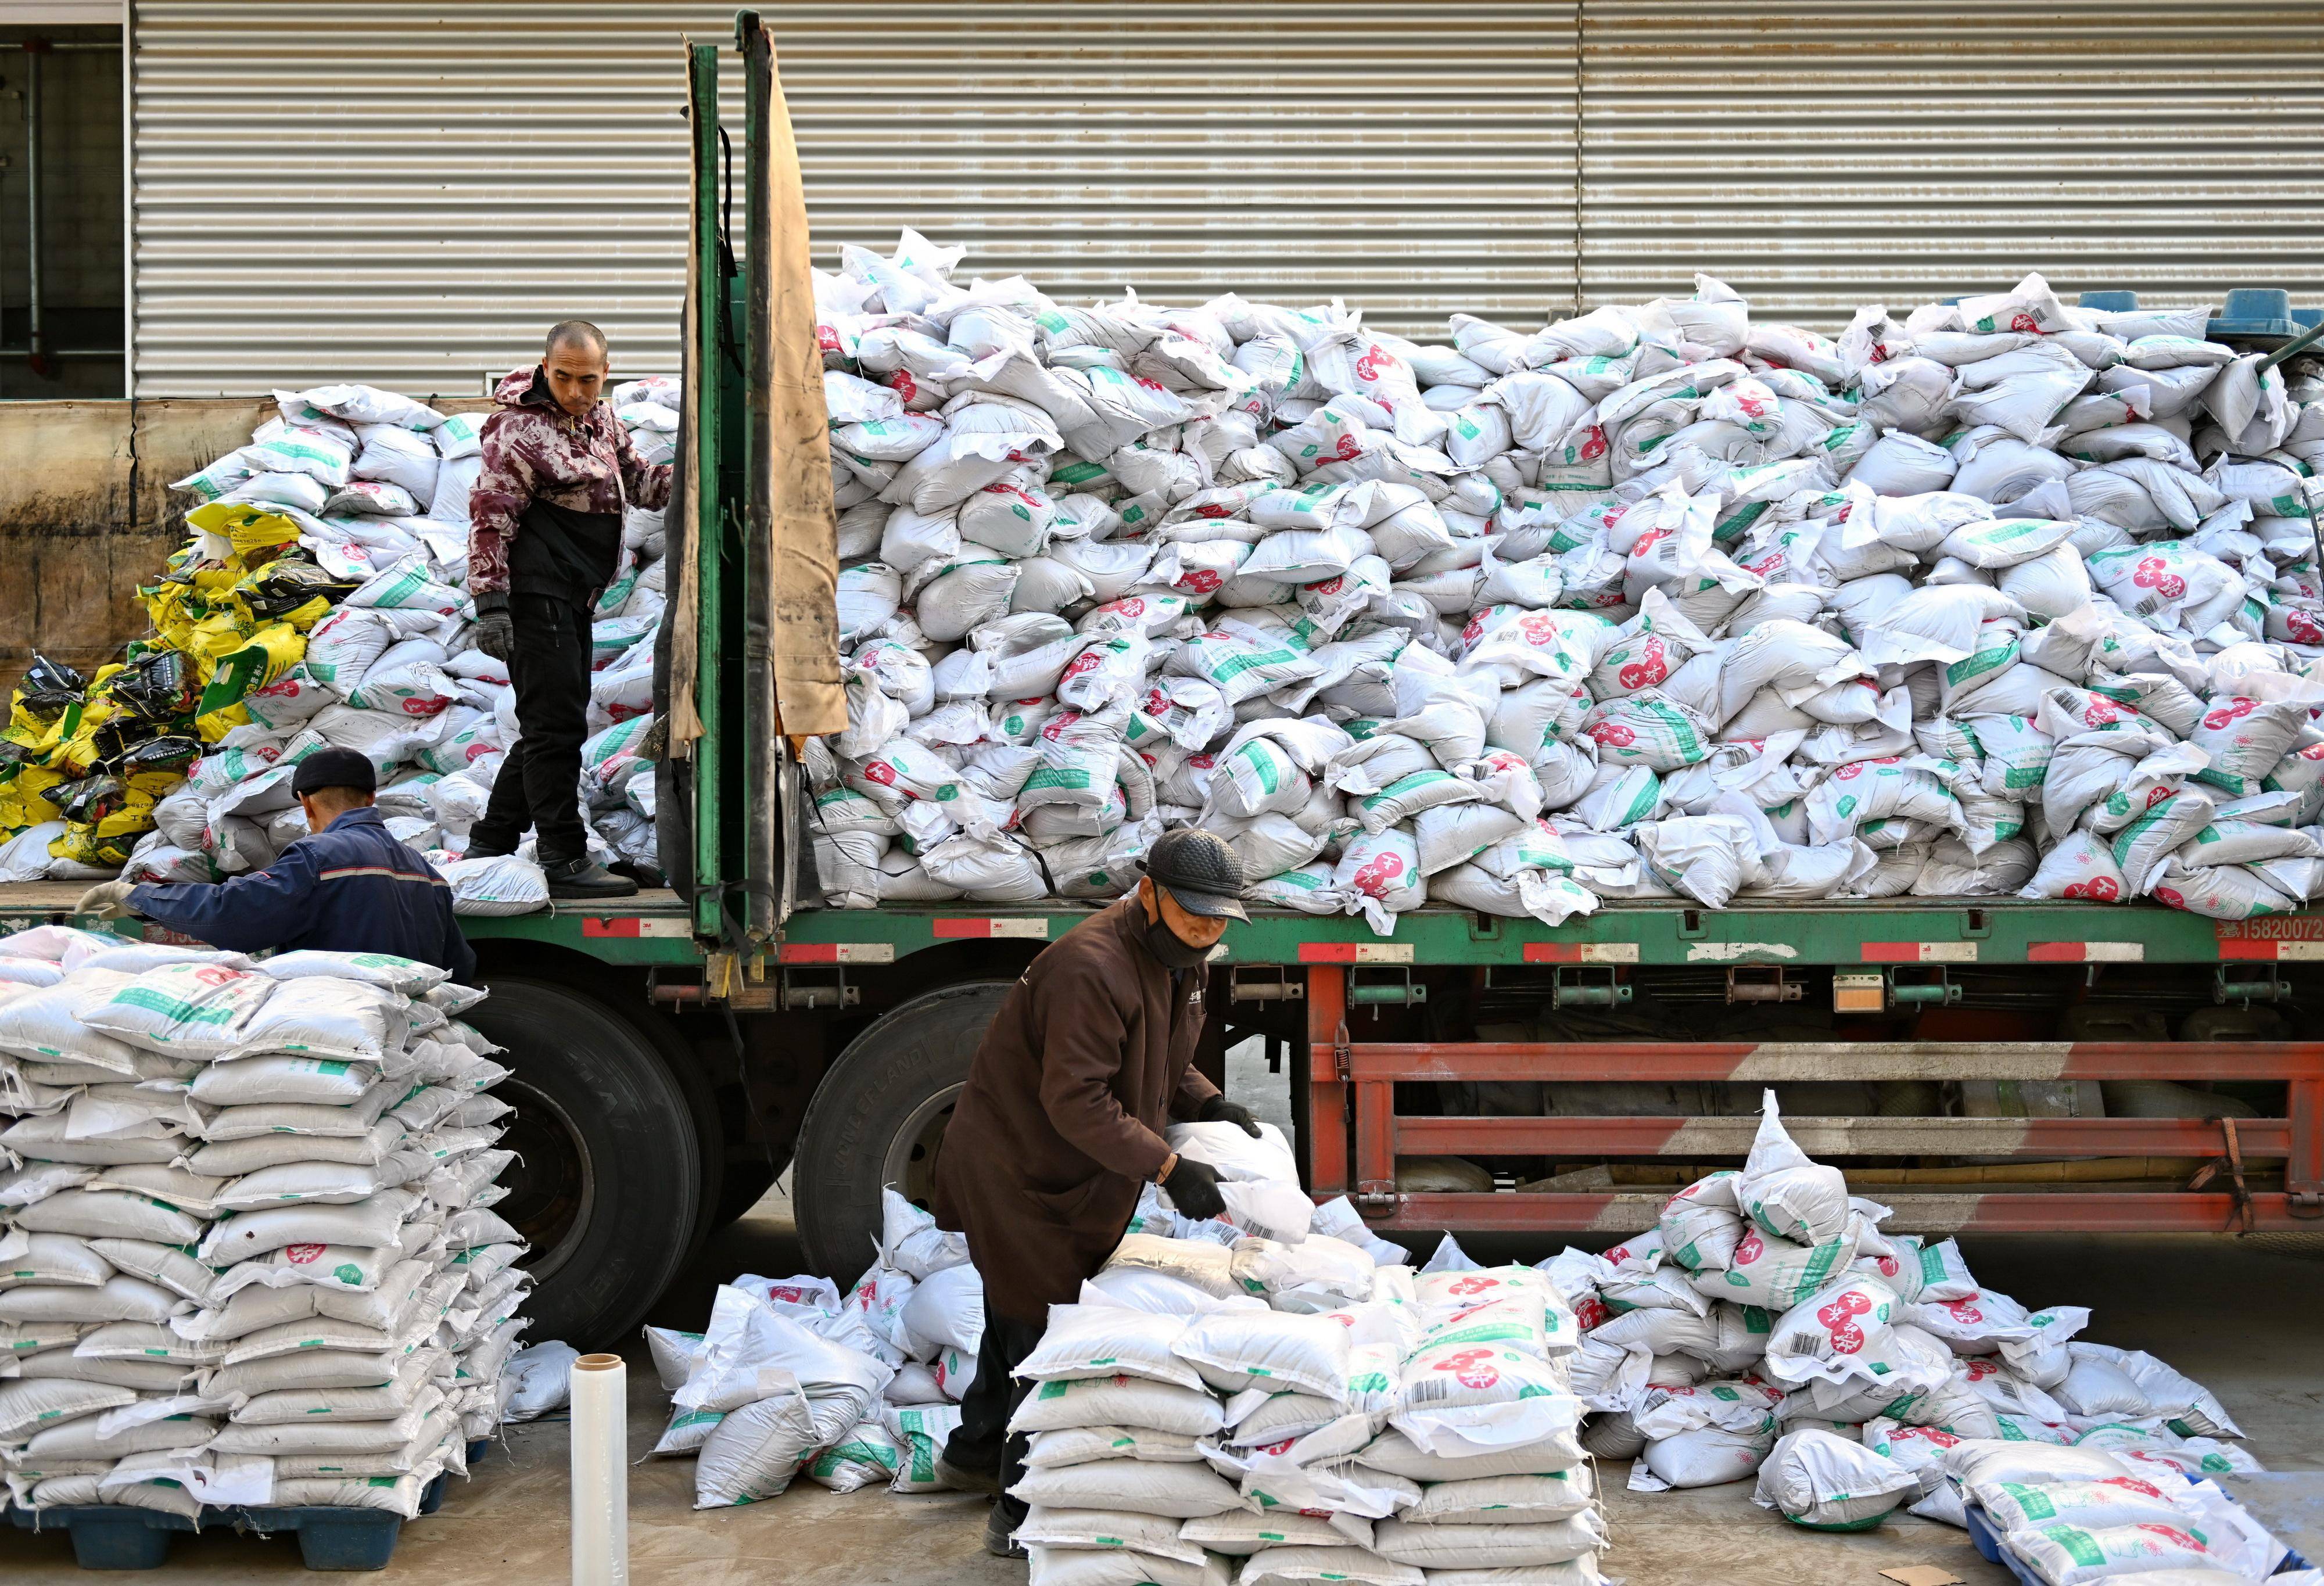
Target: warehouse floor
pixel 2239 1316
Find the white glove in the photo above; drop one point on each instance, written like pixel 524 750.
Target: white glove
pixel 107 901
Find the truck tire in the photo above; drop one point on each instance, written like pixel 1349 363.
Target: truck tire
pixel 878 1118
pixel 607 1187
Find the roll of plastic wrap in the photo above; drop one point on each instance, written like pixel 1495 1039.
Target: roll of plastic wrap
pixel 600 1490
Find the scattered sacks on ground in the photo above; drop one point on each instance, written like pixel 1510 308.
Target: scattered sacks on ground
pixel 1661 600
pixel 1768 1327
pixel 322 601
pixel 248 1253
pixel 794 1379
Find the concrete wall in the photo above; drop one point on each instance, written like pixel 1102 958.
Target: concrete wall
pixel 87 514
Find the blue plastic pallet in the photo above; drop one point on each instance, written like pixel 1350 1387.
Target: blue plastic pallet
pixel 1988 1541
pixel 113 1536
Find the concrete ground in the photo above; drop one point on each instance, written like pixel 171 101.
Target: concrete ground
pixel 2240 1317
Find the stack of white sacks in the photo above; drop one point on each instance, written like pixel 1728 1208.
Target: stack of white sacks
pixel 1767 1326
pixel 247 1253
pixel 1285 1408
pixel 378 488
pixel 1659 601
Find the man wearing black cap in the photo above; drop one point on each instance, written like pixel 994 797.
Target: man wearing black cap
pixel 346 887
pixel 1060 1125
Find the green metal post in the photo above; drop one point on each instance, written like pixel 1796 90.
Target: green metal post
pixel 707 531
pixel 756 748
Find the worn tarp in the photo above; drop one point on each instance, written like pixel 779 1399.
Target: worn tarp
pixel 681 716
pixel 803 561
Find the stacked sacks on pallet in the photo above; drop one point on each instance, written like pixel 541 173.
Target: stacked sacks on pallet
pixel 322 601
pixel 247 1240
pixel 1293 1410
pixel 1657 601
pixel 1767 1318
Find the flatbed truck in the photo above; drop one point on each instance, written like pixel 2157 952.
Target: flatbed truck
pixel 1977 1062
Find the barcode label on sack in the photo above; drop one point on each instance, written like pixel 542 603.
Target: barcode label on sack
pixel 1429 1390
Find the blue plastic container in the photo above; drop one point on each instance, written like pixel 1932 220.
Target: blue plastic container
pixel 2256 313
pixel 2109 302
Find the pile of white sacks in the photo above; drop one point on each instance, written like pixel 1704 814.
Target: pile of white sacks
pixel 1659 601
pixel 792 1378
pixel 247 1253
pixel 1768 1326
pixel 377 485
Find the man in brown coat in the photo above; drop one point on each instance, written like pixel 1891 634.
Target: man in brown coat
pixel 1061 1123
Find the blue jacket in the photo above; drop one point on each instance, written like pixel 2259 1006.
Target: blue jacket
pixel 349 888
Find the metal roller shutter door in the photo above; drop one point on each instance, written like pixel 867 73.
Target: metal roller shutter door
pixel 1822 156
pixel 400 193
pixel 409 193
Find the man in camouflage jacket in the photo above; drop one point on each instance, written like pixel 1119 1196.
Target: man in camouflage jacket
pixel 544 542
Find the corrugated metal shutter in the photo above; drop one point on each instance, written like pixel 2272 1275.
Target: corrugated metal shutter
pixel 1818 157
pixel 410 193
pixel 1411 159
pixel 404 193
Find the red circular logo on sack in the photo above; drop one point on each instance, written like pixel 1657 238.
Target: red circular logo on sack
pixel 1468 1367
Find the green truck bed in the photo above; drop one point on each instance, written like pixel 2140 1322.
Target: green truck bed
pixel 652 928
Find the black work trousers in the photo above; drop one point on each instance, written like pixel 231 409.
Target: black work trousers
pixel 982 1441
pixel 540 784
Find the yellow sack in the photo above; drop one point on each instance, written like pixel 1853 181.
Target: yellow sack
pixel 93 845
pixel 303 618
pixel 247 527
pixel 270 653
pixel 220 634
pixel 39 739
pixel 22 801
pixel 212 725
pixel 78 756
pixel 132 819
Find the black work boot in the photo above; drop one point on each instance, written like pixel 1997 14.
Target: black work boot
pixel 586 878
pixel 968 1478
pixel 998 1528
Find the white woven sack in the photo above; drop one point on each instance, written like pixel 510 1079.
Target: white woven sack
pixel 1236 1349
pixel 1108 1341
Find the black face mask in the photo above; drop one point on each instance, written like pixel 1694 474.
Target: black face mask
pixel 1164 944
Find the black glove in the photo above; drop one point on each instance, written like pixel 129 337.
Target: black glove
pixel 1194 1189
pixel 1219 1109
pixel 497 636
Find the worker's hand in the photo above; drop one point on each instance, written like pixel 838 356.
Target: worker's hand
pixel 1194 1189
pixel 497 636
pixel 107 901
pixel 1219 1109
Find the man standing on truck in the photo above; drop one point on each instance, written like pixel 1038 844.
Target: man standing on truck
pixel 345 887
pixel 544 540
pixel 1060 1126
